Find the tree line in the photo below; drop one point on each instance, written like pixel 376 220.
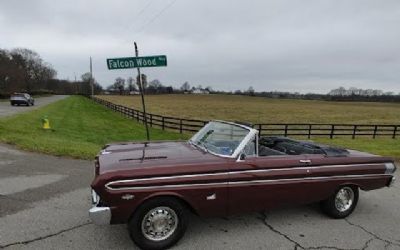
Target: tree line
pixel 338 94
pixel 23 70
pixel 131 86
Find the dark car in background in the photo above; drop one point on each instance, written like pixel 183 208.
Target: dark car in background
pixel 21 98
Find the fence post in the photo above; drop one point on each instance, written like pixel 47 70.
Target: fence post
pixel 332 131
pixel 309 131
pixel 180 126
pixel 375 129
pixel 354 132
pixel 394 132
pixel 259 129
pixel 137 115
pixel 286 128
pixel 151 120
pixel 163 127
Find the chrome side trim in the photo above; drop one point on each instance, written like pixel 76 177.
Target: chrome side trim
pixel 230 173
pixel 234 183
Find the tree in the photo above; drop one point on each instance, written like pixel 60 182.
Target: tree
pixel 36 71
pixel 85 85
pixel 155 87
pixel 131 84
pixel 144 82
pixel 119 84
pixel 86 77
pixel 209 89
pixel 250 91
pixel 185 87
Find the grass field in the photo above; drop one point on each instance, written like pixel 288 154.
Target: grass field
pixel 264 110
pixel 81 128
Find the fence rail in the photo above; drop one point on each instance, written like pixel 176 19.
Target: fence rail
pixel 270 129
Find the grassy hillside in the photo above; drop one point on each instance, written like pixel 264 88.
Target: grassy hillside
pixel 264 110
pixel 80 129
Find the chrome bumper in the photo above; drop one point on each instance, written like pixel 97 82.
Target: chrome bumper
pixel 100 215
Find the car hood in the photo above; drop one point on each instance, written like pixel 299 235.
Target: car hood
pixel 134 155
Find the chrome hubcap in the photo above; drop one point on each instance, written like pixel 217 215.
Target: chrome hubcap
pixel 344 199
pixel 159 223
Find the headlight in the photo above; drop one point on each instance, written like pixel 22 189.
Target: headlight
pixel 390 168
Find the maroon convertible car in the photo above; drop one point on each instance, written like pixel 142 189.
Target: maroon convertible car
pixel 224 169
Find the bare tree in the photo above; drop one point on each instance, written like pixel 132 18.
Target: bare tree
pixel 185 87
pixel 250 91
pixel 131 85
pixel 144 82
pixel 119 84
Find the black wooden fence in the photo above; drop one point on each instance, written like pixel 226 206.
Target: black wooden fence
pixel 271 129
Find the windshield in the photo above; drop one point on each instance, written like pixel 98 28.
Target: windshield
pixel 219 138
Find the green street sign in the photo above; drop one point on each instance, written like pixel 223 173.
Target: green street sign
pixel 136 62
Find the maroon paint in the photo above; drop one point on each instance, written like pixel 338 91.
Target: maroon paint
pixel 135 161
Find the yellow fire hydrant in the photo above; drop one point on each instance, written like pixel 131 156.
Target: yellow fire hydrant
pixel 45 123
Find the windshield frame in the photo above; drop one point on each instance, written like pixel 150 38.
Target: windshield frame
pixel 250 135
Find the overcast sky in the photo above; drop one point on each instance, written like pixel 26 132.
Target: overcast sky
pixel 305 46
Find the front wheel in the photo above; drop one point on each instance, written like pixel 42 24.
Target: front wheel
pixel 342 203
pixel 158 223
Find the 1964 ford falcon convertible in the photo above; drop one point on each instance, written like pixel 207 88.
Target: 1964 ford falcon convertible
pixel 224 169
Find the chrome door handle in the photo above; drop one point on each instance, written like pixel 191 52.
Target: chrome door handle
pixel 305 161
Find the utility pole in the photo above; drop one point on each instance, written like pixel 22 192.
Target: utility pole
pixel 142 95
pixel 91 77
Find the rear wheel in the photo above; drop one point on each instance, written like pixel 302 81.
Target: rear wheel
pixel 342 203
pixel 158 223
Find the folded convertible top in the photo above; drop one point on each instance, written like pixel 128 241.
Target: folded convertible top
pixel 294 147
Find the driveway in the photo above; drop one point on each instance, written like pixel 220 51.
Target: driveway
pixel 44 202
pixel 6 109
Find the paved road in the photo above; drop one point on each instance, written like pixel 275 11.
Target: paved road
pixel 44 202
pixel 6 109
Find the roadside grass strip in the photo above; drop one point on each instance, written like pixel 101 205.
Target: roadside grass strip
pixel 79 129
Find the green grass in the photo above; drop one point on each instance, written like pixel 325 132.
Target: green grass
pixel 267 110
pixel 379 146
pixel 80 129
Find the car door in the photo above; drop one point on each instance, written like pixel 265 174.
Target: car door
pixel 258 183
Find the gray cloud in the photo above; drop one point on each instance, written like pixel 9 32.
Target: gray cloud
pixel 306 46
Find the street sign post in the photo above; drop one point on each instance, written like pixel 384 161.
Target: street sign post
pixel 136 62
